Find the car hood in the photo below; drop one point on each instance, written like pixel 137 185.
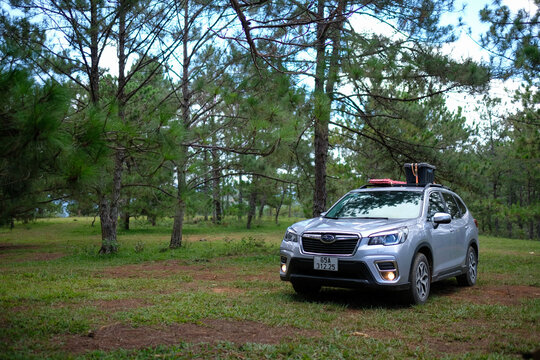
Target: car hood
pixel 364 227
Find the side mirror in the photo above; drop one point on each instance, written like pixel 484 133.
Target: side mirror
pixel 323 214
pixel 441 218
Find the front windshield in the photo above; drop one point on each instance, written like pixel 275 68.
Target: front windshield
pixel 378 204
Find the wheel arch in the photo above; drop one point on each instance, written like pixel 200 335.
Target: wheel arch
pixel 425 248
pixel 474 244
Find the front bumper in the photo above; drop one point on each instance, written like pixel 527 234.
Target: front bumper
pixel 352 272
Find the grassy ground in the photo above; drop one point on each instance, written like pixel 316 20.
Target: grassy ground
pixel 220 296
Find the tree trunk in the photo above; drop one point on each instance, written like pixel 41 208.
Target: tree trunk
pixel 278 207
pixel 323 94
pixel 240 199
pixel 125 220
pixel 290 203
pixel 252 203
pixel 94 53
pixel 216 196
pixel 125 211
pixel 261 206
pixel 109 243
pixel 321 117
pixel 206 184
pixel 509 228
pixel 178 223
pixel 108 209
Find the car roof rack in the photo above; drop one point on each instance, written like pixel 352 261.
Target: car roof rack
pixel 400 184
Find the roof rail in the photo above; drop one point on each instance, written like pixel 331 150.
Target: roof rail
pixel 425 186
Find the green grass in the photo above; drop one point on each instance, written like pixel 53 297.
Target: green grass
pixel 54 285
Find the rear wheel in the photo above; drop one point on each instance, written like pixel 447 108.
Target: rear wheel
pixel 469 278
pixel 420 277
pixel 303 288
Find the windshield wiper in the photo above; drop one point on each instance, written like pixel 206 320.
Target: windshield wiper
pixel 372 217
pixel 331 217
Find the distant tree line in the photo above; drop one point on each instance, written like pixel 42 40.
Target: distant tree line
pixel 176 109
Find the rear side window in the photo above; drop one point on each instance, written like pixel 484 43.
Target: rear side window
pixel 436 204
pixel 452 206
pixel 461 205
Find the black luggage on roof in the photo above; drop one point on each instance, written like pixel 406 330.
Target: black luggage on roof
pixel 419 173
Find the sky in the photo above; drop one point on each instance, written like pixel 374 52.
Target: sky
pixel 467 47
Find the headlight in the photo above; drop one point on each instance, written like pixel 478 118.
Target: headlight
pixel 391 237
pixel 291 235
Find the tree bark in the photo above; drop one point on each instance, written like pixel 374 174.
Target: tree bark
pixel 252 203
pixel 178 224
pixel 262 205
pixel 94 53
pixel 320 117
pixel 108 209
pixel 125 220
pixel 216 196
pixel 206 185
pixel 278 207
pixel 240 198
pixel 290 204
pixel 324 88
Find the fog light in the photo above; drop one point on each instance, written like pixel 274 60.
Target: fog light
pixel 389 275
pixel 284 268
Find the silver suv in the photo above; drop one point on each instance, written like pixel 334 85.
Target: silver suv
pixel 400 237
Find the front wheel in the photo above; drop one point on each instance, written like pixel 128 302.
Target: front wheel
pixel 420 277
pixel 469 278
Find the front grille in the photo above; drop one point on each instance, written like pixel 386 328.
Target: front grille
pixel 344 244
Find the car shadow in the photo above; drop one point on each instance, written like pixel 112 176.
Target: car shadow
pixel 446 287
pixel 366 298
pixel 355 298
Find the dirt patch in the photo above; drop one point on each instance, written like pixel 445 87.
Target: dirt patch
pixel 490 294
pixel 106 305
pixel 227 290
pixel 8 246
pixel 18 257
pixel 148 269
pixel 117 336
pixel 44 256
pixel 32 256
pixel 119 304
pixel 467 336
pixel 196 272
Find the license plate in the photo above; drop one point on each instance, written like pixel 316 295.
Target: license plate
pixel 325 263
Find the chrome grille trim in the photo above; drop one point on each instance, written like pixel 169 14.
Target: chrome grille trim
pixel 345 244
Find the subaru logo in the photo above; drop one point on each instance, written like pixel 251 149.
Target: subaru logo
pixel 328 238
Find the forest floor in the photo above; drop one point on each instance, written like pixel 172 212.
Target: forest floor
pixel 220 296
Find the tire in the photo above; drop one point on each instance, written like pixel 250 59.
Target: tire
pixel 469 277
pixel 304 288
pixel 420 277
